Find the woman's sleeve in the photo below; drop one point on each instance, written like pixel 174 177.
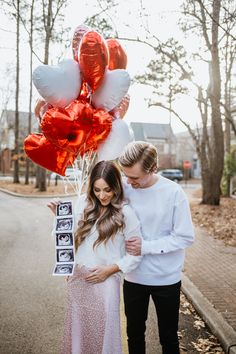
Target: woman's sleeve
pixel 132 228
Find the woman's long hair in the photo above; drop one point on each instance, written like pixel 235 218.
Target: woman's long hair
pixel 112 220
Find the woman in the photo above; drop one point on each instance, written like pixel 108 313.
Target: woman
pixel 92 323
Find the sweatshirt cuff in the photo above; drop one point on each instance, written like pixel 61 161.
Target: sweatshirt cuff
pixel 121 266
pixel 144 247
pixel 152 247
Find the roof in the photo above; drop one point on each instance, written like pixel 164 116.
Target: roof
pixel 145 131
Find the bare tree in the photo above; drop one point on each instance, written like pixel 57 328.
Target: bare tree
pixel 209 139
pixel 31 31
pixel 51 11
pixel 16 150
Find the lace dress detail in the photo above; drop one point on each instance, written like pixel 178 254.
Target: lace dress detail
pixel 92 322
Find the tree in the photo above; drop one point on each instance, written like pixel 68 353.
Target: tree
pixel 209 139
pixel 52 11
pixel 31 31
pixel 16 150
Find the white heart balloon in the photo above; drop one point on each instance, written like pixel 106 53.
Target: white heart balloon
pixel 59 84
pixel 118 138
pixel 113 88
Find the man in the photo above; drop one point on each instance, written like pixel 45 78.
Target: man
pixel 163 210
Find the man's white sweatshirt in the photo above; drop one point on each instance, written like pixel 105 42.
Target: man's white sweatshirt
pixel 167 229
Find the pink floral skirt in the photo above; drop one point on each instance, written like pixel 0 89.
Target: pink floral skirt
pixel 92 322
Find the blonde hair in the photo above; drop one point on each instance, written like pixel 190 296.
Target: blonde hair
pixel 112 220
pixel 142 152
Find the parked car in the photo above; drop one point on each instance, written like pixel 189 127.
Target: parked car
pixel 172 174
pixel 71 174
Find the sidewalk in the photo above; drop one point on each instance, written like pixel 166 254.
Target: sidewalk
pixel 209 281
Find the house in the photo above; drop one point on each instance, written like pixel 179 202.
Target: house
pixel 7 137
pixel 162 137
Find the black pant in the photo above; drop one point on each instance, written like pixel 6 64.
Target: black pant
pixel 167 301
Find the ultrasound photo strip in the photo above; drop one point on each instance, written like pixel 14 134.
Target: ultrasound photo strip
pixel 64 209
pixel 64 269
pixel 65 255
pixel 64 224
pixel 64 240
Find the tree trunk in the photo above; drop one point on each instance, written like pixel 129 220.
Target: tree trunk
pixel 42 185
pixel 16 151
pixel 216 122
pixel 31 86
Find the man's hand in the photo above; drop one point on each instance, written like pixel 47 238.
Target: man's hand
pixel 101 273
pixel 133 246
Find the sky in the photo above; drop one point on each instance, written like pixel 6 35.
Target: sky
pixel 164 23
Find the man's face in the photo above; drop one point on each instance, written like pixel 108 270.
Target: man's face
pixel 136 177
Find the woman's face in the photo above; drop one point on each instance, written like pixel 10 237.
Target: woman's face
pixel 103 192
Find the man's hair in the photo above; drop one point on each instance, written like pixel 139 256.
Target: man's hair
pixel 142 152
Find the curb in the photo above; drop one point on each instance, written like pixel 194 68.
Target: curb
pixel 37 196
pixel 218 325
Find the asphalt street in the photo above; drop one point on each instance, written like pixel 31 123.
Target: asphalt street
pixel 31 299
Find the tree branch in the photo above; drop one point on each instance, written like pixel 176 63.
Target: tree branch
pixel 159 104
pixel 217 22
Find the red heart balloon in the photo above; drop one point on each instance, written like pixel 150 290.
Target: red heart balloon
pixel 47 155
pixel 78 35
pixel 76 128
pixel 100 129
pixel 117 55
pixel 93 58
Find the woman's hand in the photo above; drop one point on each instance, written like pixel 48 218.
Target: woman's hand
pixel 52 205
pixel 101 273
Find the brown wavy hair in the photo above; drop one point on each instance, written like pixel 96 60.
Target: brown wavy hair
pixel 109 222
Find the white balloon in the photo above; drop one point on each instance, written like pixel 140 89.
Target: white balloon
pixel 112 89
pixel 118 138
pixel 59 84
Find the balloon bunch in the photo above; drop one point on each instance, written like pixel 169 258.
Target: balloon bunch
pixel 83 101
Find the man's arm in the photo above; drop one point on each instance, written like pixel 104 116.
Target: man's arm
pixel 180 237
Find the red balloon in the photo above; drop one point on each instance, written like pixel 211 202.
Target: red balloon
pixel 120 110
pixel 76 128
pixel 117 55
pixel 100 129
pixel 62 127
pixel 47 155
pixel 93 58
pixel 78 35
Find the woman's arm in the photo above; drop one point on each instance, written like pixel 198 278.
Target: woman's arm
pixel 132 230
pixel 52 205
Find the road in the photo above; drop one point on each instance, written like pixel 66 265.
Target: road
pixel 32 300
